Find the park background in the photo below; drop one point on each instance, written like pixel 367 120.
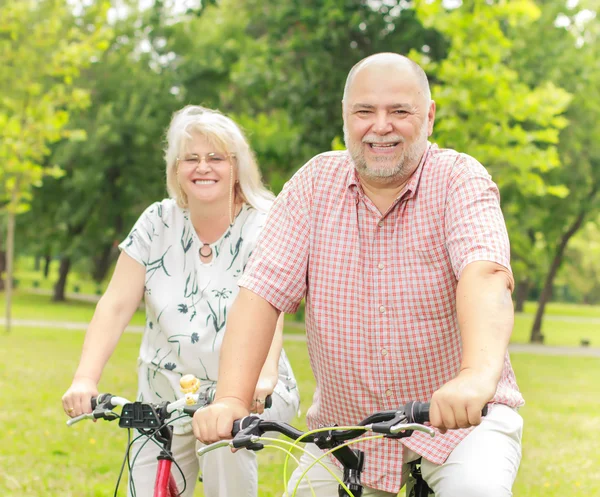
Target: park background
pixel 88 87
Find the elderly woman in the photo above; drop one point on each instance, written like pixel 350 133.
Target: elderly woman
pixel 184 256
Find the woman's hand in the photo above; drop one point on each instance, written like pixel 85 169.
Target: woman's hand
pixel 77 399
pixel 264 387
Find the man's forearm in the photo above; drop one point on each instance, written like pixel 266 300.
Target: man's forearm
pixel 485 317
pixel 249 336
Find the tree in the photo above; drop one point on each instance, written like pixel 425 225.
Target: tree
pixel 282 65
pixel 486 108
pixel 119 170
pixel 562 47
pixel 43 47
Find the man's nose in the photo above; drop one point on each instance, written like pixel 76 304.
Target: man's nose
pixel 382 124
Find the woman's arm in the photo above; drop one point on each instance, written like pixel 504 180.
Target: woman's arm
pixel 269 374
pixel 113 312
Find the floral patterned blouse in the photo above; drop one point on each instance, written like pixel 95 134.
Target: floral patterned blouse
pixel 187 300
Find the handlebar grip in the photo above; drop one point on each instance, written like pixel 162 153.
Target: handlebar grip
pixel 240 424
pixel 94 401
pixel 191 410
pixel 418 412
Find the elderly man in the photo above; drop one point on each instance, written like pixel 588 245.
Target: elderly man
pixel 401 252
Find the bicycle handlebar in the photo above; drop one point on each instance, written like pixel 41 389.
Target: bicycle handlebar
pixel 103 404
pixel 399 423
pixel 418 412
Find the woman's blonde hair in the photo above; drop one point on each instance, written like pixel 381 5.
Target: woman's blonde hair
pixel 226 136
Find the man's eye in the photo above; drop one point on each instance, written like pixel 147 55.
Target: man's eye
pixel 363 112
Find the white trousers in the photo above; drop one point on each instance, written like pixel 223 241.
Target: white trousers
pixel 484 464
pixel 224 474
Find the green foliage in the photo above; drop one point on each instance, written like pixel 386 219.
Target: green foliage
pixel 43 49
pixel 484 107
pixel 561 48
pixel 581 271
pixel 288 61
pixel 119 169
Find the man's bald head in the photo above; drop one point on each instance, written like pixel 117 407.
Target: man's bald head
pixel 394 60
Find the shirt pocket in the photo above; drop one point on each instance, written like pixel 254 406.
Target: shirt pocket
pixel 429 285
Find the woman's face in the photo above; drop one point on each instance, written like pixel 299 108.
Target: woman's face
pixel 205 172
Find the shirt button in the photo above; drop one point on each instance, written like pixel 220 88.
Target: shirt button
pixel 381 265
pixel 388 392
pixel 384 352
pixel 381 309
pixel 380 224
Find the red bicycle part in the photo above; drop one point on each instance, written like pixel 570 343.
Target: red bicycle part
pixel 165 485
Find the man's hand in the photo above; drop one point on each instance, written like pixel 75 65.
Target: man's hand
pixel 214 423
pixel 459 402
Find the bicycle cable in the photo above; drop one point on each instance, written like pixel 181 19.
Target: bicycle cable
pixel 318 460
pixel 125 461
pixel 150 437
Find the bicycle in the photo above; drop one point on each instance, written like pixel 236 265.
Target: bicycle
pixel 153 421
pixel 248 433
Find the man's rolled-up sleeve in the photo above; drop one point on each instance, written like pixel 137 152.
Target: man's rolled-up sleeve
pixel 474 224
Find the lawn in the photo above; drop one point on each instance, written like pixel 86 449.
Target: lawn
pixel 40 456
pixel 38 307
pixel 562 326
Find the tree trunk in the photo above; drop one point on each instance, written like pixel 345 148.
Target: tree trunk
pixel 2 268
pixel 61 284
pixel 521 294
pixel 10 252
pixel 47 261
pixel 102 264
pixel 536 330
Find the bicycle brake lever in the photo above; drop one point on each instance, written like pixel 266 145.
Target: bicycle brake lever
pixel 402 427
pixel 247 436
pixel 217 445
pixel 107 414
pixel 79 418
pixel 385 427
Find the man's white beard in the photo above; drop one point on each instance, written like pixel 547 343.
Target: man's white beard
pixel 402 164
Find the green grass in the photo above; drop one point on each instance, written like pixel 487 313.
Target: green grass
pixel 565 309
pixel 79 282
pixel 41 308
pixel 40 456
pixel 567 332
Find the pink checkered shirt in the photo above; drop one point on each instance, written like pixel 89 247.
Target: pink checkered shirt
pixel 381 289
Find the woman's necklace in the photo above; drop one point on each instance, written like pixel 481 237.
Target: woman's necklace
pixel 206 250
pixel 208 253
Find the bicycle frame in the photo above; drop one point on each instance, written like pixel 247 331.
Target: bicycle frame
pixel 164 485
